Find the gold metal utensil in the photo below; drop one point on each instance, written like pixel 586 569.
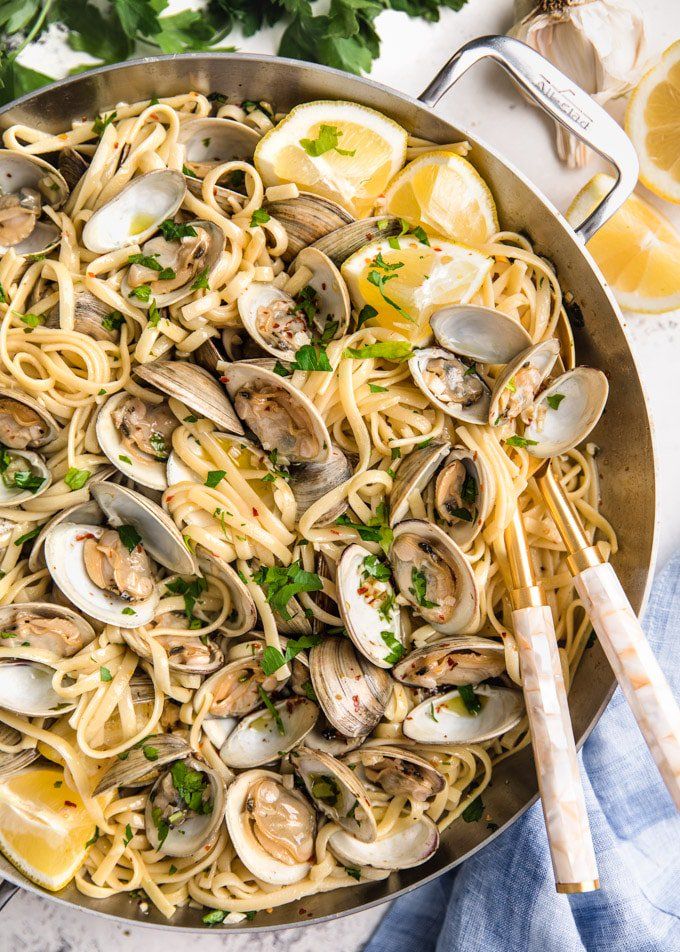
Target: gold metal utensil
pixel 564 808
pixel 642 681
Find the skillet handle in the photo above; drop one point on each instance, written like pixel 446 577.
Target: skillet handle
pixel 562 99
pixel 7 891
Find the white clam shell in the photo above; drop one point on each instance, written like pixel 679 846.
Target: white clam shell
pixel 584 393
pixel 435 722
pixel 334 304
pixel 19 170
pixel 479 333
pixel 197 831
pixel 411 844
pixel 135 213
pixel 15 496
pixel 150 473
pixel 474 413
pixel 26 688
pixel 256 296
pixel 257 741
pixel 541 356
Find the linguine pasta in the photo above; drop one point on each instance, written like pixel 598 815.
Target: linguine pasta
pixel 122 690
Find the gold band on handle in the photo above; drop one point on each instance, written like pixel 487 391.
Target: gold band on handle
pixel 582 555
pixel 586 885
pixel 525 592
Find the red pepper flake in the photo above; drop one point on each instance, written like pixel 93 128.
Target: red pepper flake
pixel 70 803
pixel 355 702
pixel 91 274
pixel 224 379
pixel 255 512
pixel 170 498
pixel 85 535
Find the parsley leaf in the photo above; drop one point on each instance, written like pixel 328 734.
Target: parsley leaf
pixel 214 478
pixel 175 231
pixel 326 141
pixel 377 529
pixel 129 537
pixel 259 217
pixel 419 589
pixel 200 282
pixel 374 388
pixel 281 583
pixel 113 321
pixel 105 674
pixel 396 350
pixel 309 357
pixel 520 442
pixel 273 659
pixel 269 704
pixel 396 649
pixel 554 400
pixel 473 811
pixel 367 313
pixel 471 700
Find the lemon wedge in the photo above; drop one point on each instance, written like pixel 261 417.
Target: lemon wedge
pixel 653 123
pixel 638 249
pixel 341 150
pixel 404 281
pixel 44 826
pixel 445 194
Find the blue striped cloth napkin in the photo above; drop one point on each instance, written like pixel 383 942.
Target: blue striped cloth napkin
pixel 504 900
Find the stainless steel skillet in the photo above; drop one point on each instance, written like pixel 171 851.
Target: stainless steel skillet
pixel 624 434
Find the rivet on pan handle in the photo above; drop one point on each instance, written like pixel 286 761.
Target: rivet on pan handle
pixel 562 99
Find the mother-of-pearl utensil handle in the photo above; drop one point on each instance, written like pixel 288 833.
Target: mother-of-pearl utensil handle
pixel 641 679
pixel 564 808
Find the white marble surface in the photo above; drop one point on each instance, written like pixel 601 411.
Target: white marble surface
pixel 485 103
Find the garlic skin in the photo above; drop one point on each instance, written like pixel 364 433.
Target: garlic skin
pixel 600 44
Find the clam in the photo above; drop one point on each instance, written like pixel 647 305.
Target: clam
pixel 106 570
pixel 243 614
pixel 171 267
pixel 412 843
pixel 516 388
pixel 352 692
pixel 328 739
pixel 434 576
pixel 236 687
pixel 209 355
pixel 336 792
pixel 211 141
pixel 85 512
pixel 187 654
pixel 366 600
pixel 341 242
pixel 271 827
pixel 451 719
pixel 195 388
pixel 239 345
pixel 185 809
pixel 134 214
pixel 27 184
pixel 142 764
pixel 26 688
pixel 280 416
pixel 91 317
pixel 72 165
pixel 274 320
pixel 306 219
pixel 24 475
pixel 460 660
pixel 12 762
pixel 54 629
pixel 325 297
pixel 136 436
pixel 399 772
pixel 312 481
pixel 459 483
pixel 451 384
pixel 24 423
pixel 479 333
pixel 566 412
pixel 265 735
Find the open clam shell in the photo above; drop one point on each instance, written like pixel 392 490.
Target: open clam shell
pixel 134 214
pixel 446 719
pixel 85 512
pixel 271 827
pixel 306 219
pixel 312 481
pixel 24 423
pixel 26 688
pixel 336 792
pixel 280 416
pixel 398 771
pixel 235 688
pixel 566 412
pixel 186 259
pixel 262 737
pixel 195 388
pixel 451 384
pixel 328 739
pixel 142 765
pixel 464 494
pixel 186 654
pixel 243 615
pixel 414 473
pixel 366 600
pixel 352 692
pixel 22 469
pixel 411 844
pixel 479 333
pixel 134 463
pixel 330 297
pixel 211 141
pixel 516 388
pixel 51 628
pixel 274 320
pixel 186 830
pixel 26 184
pixel 434 576
pixel 452 661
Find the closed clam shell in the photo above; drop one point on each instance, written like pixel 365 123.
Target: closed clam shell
pixel 307 218
pixel 142 765
pixel 572 405
pixel 459 660
pixel 12 762
pixel 480 333
pixel 352 692
pixel 11 617
pixel 445 719
pixel 412 843
pixel 194 387
pixel 336 791
pixel 414 473
pixel 348 238
pixel 135 213
pixel 310 482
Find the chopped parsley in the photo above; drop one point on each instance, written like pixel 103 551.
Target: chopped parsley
pixel 125 459
pixel 191 592
pixel 419 588
pixel 309 358
pixel 129 537
pixel 259 217
pixel 32 321
pixel 373 567
pixel 128 834
pixel 395 350
pixel 154 314
pixel 191 786
pixel 214 917
pixel 471 700
pixel 367 313
pixel 151 753
pixel 200 282
pixel 3 294
pixel 324 787
pixel 93 838
pixel 31 534
pixel 376 530
pixel 214 478
pixel 101 122
pixel 129 611
pixel 473 811
pixel 27 480
pixel 383 272
pixel 395 647
pixel 554 400
pixel 374 388
pixel 105 675
pixel 160 447
pixel 113 321
pixel 281 583
pixel 188 172
pixel 326 141
pixel 142 293
pixel 273 659
pixel 353 872
pixel 520 442
pixel 269 704
pixel 175 231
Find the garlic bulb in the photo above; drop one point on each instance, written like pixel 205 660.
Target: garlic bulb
pixel 600 44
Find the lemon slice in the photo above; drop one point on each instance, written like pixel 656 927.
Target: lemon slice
pixel 406 281
pixel 341 150
pixel 638 250
pixel 445 194
pixel 653 123
pixel 43 826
